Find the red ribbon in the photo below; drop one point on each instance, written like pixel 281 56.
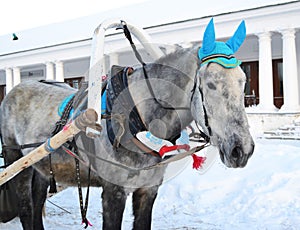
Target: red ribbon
pixel 166 148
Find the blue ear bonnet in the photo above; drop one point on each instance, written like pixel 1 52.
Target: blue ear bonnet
pixel 221 52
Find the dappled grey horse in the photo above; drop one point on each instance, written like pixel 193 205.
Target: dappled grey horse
pixel 205 85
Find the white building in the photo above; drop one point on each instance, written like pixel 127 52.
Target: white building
pixel 270 53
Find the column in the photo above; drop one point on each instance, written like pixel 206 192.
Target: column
pixel 266 101
pixel 59 71
pixel 290 74
pixel 9 79
pixel 49 71
pixel 17 76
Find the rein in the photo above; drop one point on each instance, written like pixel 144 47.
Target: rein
pixel 165 161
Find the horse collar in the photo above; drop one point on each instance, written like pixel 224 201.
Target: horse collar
pixel 117 90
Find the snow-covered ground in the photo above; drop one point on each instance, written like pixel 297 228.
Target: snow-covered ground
pixel 263 195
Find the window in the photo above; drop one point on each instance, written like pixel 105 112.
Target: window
pixel 74 82
pixel 251 87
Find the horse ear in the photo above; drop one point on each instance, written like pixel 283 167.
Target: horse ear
pixel 208 43
pixel 238 38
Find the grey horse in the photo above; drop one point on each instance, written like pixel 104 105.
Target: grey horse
pixel 178 89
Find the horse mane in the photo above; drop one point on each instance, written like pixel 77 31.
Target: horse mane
pixel 181 59
pixel 56 83
pixel 178 53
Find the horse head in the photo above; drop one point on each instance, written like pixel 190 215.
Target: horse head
pixel 220 97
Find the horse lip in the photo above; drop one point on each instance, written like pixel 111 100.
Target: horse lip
pixel 239 161
pixel 222 156
pixel 223 150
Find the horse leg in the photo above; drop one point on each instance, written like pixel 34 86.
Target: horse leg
pixel 113 204
pixel 39 195
pixel 22 184
pixel 143 200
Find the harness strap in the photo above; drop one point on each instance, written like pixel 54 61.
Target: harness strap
pixel 58 126
pixel 64 117
pixel 20 147
pixel 205 119
pixel 139 58
pixel 165 161
pixel 144 148
pixel 83 208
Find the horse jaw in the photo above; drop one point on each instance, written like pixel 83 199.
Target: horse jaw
pixel 224 102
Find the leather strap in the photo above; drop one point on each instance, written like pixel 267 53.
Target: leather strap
pixel 144 148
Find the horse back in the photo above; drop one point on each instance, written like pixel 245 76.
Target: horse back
pixel 29 112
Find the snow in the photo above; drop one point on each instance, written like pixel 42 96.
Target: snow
pixel 263 195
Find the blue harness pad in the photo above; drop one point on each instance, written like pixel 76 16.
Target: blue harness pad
pixel 63 105
pixel 103 102
pixel 66 100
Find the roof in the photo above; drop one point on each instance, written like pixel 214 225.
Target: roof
pixel 147 14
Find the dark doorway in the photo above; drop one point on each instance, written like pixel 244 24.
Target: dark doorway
pixel 277 83
pixel 2 92
pixel 251 87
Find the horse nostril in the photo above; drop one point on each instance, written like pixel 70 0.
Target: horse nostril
pixel 235 152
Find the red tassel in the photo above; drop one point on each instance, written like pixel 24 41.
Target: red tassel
pixel 198 161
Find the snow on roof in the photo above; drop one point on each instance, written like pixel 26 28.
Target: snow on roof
pixel 150 13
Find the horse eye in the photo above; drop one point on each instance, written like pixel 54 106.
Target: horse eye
pixel 211 86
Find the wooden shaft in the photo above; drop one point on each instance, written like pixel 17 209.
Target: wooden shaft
pixel 86 119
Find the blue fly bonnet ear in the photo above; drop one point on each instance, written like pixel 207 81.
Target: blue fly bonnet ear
pixel 221 52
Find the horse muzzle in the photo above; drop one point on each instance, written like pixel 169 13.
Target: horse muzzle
pixel 235 153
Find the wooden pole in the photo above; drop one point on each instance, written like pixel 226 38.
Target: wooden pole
pixel 84 120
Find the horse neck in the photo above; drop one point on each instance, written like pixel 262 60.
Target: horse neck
pixel 171 80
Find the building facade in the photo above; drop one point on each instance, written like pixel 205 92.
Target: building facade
pixel 270 55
